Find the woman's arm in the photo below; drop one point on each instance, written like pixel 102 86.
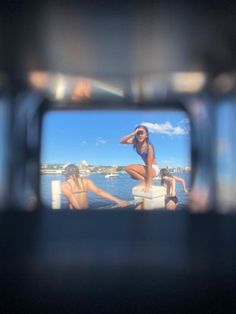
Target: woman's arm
pixel 128 139
pixel 182 181
pixel 70 196
pixel 92 187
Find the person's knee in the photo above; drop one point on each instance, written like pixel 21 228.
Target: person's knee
pixel 128 169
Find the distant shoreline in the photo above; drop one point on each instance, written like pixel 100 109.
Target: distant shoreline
pixel 86 168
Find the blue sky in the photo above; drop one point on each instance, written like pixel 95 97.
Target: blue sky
pixel 74 136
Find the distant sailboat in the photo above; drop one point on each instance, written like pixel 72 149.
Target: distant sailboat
pixel 84 172
pixel 50 171
pixel 110 175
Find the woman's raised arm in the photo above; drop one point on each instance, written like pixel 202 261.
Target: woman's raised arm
pixel 128 139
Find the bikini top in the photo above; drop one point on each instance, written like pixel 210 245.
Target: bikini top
pixel 143 154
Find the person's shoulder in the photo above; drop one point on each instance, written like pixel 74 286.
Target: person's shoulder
pixel 65 185
pixel 150 146
pixel 86 181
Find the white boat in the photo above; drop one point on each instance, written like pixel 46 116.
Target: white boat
pixel 158 178
pixel 110 175
pixel 84 173
pixel 50 171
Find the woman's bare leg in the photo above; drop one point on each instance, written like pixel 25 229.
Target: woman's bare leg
pixel 138 172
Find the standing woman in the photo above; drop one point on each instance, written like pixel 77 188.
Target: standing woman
pixel 140 140
pixel 170 181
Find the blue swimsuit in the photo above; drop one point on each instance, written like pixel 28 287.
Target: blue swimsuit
pixel 143 155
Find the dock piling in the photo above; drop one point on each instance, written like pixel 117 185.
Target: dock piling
pixel 153 199
pixel 56 194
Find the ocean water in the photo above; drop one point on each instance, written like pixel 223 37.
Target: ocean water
pixel 120 186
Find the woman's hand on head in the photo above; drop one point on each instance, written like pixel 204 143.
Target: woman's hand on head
pixel 138 129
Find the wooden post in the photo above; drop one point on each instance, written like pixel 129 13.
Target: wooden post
pixel 56 194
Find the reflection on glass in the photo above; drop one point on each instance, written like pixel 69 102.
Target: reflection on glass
pixel 3 151
pixel 226 168
pixel 201 194
pixel 75 88
pixel 91 141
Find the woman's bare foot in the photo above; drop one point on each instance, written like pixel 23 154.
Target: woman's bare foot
pixel 141 185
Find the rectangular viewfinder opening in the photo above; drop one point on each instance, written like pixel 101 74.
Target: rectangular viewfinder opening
pixel 92 142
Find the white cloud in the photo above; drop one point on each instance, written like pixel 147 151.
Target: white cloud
pixel 165 128
pixel 101 141
pixel 84 143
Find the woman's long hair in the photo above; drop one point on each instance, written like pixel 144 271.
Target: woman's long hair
pixel 147 139
pixel 72 171
pixel 164 173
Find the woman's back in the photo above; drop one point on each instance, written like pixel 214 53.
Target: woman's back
pixel 79 189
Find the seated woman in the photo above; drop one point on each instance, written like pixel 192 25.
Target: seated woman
pixel 170 181
pixel 76 190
